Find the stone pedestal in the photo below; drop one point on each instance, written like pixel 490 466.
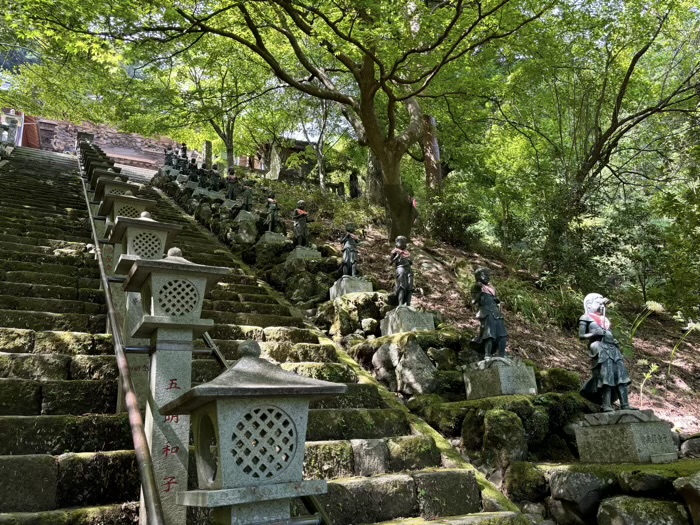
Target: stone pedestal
pixel 303 252
pixel 272 238
pixel 625 436
pixel 348 284
pixel 406 319
pixel 499 377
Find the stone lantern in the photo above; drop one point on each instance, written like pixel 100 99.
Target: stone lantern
pixel 172 294
pixel 113 206
pixel 249 426
pixel 112 184
pixel 111 172
pixel 129 240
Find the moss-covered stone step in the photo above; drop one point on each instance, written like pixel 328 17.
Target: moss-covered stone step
pixel 58 367
pixel 68 480
pixel 61 269
pixel 16 340
pixel 116 514
pixel 482 518
pixel 356 423
pixel 262 320
pixel 358 395
pixel 226 307
pixel 59 306
pixel 223 291
pixel 334 372
pixel 368 457
pixel 429 494
pixel 51 321
pixel 238 278
pixel 290 334
pixel 51 279
pixel 24 397
pixel 68 261
pixel 283 351
pixel 59 434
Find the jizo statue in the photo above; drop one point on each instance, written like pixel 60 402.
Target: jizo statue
pixel 401 259
pixel 492 331
pixel 301 229
pixel 272 209
pixel 609 378
pixel 350 242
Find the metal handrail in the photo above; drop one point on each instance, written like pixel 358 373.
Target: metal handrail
pixel 151 498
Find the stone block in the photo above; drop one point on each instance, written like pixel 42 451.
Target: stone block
pixel 28 483
pixel 500 377
pixel 302 252
pixel 406 319
pixel 576 495
pixel 447 492
pixel 328 460
pixel 19 397
pixel 370 456
pixel 348 284
pixel 246 216
pixel 689 488
pixel 272 238
pixel 412 453
pixel 630 436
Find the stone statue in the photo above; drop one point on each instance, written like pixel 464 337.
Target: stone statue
pixel 169 156
pixel 493 328
pixel 301 229
pixel 610 380
pixel 231 184
pixel 272 209
pixel 192 167
pixel 350 242
pixel 401 259
pixel 183 150
pixel 247 197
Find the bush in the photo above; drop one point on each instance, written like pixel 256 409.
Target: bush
pixel 450 219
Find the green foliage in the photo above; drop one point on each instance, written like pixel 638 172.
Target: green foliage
pixel 560 306
pixel 451 218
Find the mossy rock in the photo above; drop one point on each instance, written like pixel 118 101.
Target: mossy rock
pixel 504 438
pixel 447 492
pixel 625 510
pixel 562 408
pixel 450 384
pixel 558 380
pixel 116 514
pixel 523 482
pixel 321 353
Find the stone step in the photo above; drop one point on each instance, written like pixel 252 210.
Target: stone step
pixel 482 518
pixel 55 434
pixel 368 457
pixel 58 434
pixel 50 321
pixel 59 306
pixel 88 295
pixel 223 307
pixel 117 514
pixel 60 229
pixel 13 340
pixel 58 367
pixel 68 480
pixel 23 397
pixel 222 291
pixel 46 213
pixel 68 261
pixel 231 330
pixel 334 372
pixel 428 494
pixel 359 395
pixel 285 352
pixel 90 271
pixel 50 279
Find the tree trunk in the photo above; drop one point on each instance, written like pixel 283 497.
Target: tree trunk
pixel 399 204
pixel 321 171
pixel 230 160
pixel 431 156
pixel 375 180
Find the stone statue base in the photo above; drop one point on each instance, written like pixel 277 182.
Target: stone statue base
pixel 499 376
pixel 625 436
pixel 406 319
pixel 348 284
pixel 302 252
pixel 272 238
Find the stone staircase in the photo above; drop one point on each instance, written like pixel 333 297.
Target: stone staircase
pixel 66 457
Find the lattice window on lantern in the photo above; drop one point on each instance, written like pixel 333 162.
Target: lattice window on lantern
pixel 147 245
pixel 116 191
pixel 264 442
pixel 128 211
pixel 178 297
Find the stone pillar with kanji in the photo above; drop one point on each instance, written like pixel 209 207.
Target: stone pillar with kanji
pixel 172 293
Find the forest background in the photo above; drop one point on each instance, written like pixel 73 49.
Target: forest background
pixel 560 135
